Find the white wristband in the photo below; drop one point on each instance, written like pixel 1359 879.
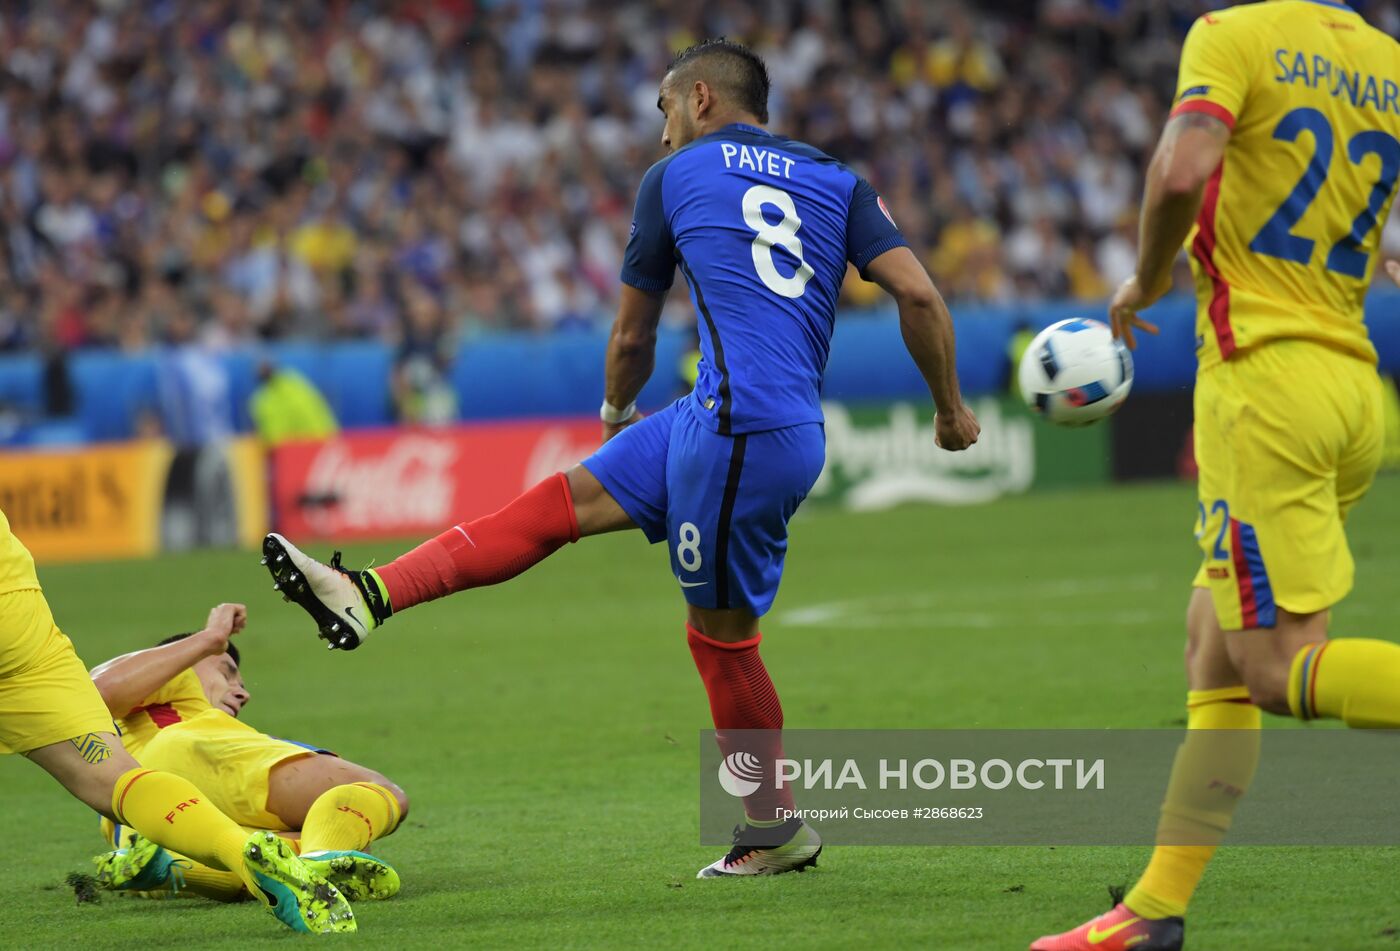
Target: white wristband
pixel 611 415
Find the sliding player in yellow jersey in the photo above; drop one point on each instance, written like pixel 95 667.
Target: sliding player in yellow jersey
pixel 1277 170
pixel 177 706
pixel 51 712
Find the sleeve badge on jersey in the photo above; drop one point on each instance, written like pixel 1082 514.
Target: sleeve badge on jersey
pixel 885 211
pixel 1193 91
pixel 634 228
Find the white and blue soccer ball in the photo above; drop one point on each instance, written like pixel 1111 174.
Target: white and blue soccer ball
pixel 1075 372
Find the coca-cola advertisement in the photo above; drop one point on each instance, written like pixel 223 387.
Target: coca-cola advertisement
pixel 387 483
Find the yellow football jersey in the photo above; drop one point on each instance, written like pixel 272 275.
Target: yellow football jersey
pixel 16 564
pixel 176 730
pixel 179 700
pixel 1286 241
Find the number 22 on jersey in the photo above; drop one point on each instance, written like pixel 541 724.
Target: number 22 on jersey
pixel 1276 239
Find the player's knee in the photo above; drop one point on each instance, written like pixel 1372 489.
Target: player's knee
pixel 1264 658
pixel 597 512
pixel 1263 669
pixel 1267 680
pixel 1269 694
pixel 728 625
pixel 400 797
pixel 395 790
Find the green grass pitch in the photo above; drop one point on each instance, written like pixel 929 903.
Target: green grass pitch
pixel 546 731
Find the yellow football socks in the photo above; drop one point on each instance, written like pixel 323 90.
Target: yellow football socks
pixel 199 879
pixel 1350 679
pixel 349 818
pixel 173 813
pixel 1210 774
pixel 187 875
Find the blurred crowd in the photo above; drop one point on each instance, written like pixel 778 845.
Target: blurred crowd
pixel 422 170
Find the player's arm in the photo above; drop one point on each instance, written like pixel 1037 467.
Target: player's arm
pixel 1190 150
pixel 1212 87
pixel 880 253
pixel 648 268
pixel 631 356
pixel 125 681
pixel 927 328
pixel 1393 269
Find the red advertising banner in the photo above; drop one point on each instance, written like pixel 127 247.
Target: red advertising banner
pixel 395 482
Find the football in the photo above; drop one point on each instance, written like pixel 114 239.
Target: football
pixel 1075 373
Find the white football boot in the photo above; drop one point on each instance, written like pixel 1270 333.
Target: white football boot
pixel 345 605
pixel 754 854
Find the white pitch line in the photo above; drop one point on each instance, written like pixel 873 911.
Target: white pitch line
pixel 924 609
pixel 984 621
pixel 1003 591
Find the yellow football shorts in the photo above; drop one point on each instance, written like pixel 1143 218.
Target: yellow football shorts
pixel 228 760
pixel 46 695
pixel 1288 438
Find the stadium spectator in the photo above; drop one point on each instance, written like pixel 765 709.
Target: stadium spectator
pixel 195 410
pixel 423 393
pixel 313 157
pixel 287 406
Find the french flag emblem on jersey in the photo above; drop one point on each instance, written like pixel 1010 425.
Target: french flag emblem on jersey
pixel 885 211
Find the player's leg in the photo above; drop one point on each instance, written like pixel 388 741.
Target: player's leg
pixel 1211 769
pixel 174 814
pixel 1210 774
pixel 620 486
pixel 263 782
pixel 340 808
pixel 1355 680
pixel 748 718
pixel 137 864
pixel 134 863
pixel 51 712
pixel 724 644
pixel 75 743
pixel 729 504
pixel 296 791
pixel 1295 669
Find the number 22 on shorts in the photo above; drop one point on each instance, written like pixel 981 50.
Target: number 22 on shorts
pixel 1218 550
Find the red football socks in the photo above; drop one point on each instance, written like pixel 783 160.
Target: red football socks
pixel 489 550
pixel 742 698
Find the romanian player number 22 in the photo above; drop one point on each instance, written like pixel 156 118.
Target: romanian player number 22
pixel 1276 238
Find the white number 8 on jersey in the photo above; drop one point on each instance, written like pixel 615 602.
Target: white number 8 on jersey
pixel 782 235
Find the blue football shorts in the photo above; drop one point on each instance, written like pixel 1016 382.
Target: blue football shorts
pixel 721 503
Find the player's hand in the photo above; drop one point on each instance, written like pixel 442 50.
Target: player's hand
pixel 1123 311
pixel 1393 269
pixel 225 620
pixel 956 429
pixel 612 429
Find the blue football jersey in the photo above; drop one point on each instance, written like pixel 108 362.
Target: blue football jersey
pixel 762 227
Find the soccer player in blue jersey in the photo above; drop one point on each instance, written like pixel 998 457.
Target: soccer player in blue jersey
pixel 762 228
